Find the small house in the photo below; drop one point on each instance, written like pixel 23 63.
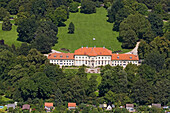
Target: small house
pixel 48 106
pixel 109 107
pixel 156 105
pixel 11 106
pixel 130 107
pixel 71 106
pixel 26 107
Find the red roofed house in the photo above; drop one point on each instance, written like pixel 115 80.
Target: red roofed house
pixel 48 106
pixel 130 107
pixel 26 107
pixel 71 106
pixel 93 57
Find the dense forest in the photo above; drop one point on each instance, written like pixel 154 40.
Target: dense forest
pixel 26 76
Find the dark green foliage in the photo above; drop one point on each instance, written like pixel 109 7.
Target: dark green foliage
pixel 116 6
pixel 88 7
pixel 120 16
pixel 155 60
pixel 6 25
pixel 134 27
pixel 13 7
pixel 45 37
pixel 156 23
pixel 3 13
pixel 71 28
pixel 24 49
pixel 26 30
pixel 39 8
pixel 142 9
pixel 74 7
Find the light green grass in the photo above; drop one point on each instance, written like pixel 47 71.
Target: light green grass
pixel 87 27
pixel 98 79
pixel 10 37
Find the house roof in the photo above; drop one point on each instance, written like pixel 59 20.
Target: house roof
pixel 11 105
pixel 26 106
pixel 130 105
pixel 124 57
pixel 93 51
pixel 71 104
pixel 156 105
pixel 49 104
pixel 61 56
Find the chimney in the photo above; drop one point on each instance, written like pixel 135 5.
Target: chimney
pixel 81 46
pixel 103 47
pixel 86 46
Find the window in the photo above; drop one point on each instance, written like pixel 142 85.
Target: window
pixel 130 57
pixel 99 57
pixel 67 56
pixel 118 57
pixel 102 57
pixel 60 60
pixel 61 56
pixel 54 55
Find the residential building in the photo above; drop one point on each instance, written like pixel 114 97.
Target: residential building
pixel 11 106
pixel 48 106
pixel 156 105
pixel 26 107
pixel 92 57
pixel 71 106
pixel 130 107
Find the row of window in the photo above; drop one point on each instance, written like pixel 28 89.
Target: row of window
pixel 62 60
pixel 81 57
pixel 64 64
pixel 124 61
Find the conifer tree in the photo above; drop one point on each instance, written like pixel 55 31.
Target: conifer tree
pixel 71 28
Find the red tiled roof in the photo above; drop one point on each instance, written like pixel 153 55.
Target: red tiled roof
pixel 71 104
pixel 49 104
pixel 130 105
pixel 61 56
pixel 124 57
pixel 26 106
pixel 92 51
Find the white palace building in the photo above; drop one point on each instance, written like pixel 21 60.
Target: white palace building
pixel 92 57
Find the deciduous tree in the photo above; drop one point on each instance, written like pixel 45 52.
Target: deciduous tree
pixel 6 25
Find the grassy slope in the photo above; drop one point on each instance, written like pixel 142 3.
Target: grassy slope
pixel 10 37
pixel 87 27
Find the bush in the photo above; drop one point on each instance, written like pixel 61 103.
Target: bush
pixel 74 7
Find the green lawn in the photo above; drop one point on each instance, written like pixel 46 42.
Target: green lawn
pixel 10 37
pixel 87 27
pixel 99 78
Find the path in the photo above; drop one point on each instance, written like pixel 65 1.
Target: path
pixel 135 50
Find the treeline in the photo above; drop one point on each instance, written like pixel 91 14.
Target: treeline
pixel 27 77
pixel 135 21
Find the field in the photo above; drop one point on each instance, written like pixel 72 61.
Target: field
pixel 87 27
pixel 10 37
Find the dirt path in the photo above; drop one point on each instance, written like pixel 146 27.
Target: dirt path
pixel 135 50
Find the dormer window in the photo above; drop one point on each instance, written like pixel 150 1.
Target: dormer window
pixel 118 57
pixel 61 56
pixel 54 55
pixel 67 56
pixel 130 57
